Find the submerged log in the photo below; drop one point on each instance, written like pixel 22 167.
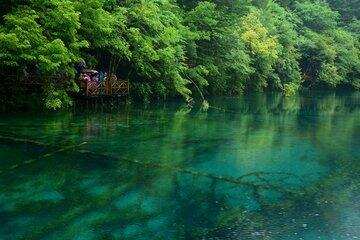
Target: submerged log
pixel 240 181
pixel 37 143
pixel 40 232
pixel 22 140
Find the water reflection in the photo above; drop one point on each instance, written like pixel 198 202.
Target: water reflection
pixel 254 167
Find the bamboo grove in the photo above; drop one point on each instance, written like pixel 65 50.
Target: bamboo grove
pixel 185 48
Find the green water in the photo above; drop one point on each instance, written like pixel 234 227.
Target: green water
pixel 267 167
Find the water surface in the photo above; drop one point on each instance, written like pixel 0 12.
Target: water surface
pixel 255 167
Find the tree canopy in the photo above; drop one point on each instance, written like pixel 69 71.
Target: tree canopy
pixel 186 48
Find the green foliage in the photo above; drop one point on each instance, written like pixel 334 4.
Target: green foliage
pixel 261 46
pixel 317 16
pixel 182 48
pixel 330 54
pixel 144 37
pixel 349 9
pixel 216 53
pixel 282 24
pixel 42 38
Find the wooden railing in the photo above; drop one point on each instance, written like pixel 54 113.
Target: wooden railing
pixel 110 86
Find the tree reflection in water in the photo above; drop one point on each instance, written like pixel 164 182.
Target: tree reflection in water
pixel 258 167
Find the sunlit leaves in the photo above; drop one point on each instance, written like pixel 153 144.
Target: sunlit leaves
pixel 317 16
pixel 52 56
pixel 185 48
pixel 330 54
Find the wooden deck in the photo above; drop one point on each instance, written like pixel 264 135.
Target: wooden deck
pixel 111 91
pixel 110 86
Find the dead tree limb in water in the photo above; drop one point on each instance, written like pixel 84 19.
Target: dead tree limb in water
pixel 28 141
pixel 236 181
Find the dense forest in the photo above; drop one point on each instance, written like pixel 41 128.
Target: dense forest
pixel 187 48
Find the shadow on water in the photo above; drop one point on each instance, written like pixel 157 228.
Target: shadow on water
pixel 253 167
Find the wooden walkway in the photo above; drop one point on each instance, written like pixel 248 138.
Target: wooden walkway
pixel 109 86
pixel 111 91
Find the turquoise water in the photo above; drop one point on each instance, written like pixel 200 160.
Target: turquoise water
pixel 255 167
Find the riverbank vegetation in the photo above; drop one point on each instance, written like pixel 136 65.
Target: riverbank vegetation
pixel 187 48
